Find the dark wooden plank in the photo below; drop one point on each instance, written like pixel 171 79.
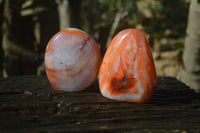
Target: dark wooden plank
pixel 29 104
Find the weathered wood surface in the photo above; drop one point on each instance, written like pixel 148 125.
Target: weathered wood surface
pixel 29 104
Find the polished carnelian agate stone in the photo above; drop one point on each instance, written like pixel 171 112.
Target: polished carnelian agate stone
pixel 72 60
pixel 127 72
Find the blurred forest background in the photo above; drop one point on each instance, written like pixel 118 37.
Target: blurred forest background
pixel 27 26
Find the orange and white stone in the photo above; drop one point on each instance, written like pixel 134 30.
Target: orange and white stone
pixel 127 72
pixel 72 60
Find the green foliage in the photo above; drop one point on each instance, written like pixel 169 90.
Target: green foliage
pixel 168 15
pixel 164 15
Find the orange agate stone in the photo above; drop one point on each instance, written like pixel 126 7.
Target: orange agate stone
pixel 127 72
pixel 72 60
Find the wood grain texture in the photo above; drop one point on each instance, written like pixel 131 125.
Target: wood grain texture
pixel 29 104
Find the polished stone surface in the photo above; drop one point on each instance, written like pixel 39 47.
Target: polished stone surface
pixel 127 72
pixel 72 60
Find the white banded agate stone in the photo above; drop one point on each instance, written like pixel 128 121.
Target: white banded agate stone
pixel 72 60
pixel 127 72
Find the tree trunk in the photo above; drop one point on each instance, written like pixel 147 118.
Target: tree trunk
pixel 64 14
pixel 69 13
pixel 190 69
pixel 1 50
pixel 119 15
pixel 27 28
pixel 76 13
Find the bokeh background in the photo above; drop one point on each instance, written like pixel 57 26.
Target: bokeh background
pixel 28 25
